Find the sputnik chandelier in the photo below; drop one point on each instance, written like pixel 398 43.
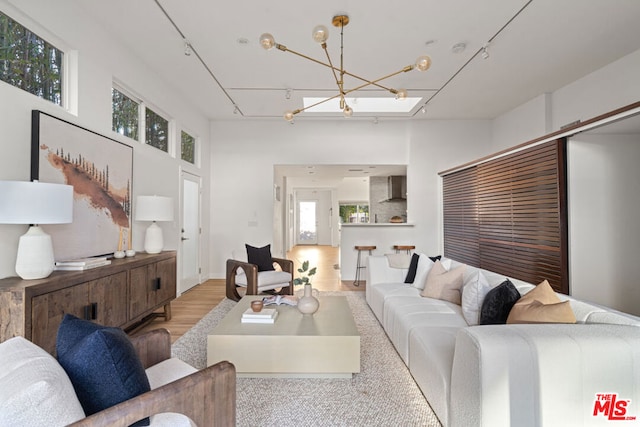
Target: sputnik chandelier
pixel 320 34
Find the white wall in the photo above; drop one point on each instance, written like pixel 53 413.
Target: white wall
pixel 100 60
pixel 522 124
pixel 604 230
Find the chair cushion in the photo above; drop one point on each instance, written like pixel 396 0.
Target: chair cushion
pixel 267 279
pixel 101 363
pixel 260 257
pixel 34 389
pixel 168 371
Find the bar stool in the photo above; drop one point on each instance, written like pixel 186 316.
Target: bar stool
pixel 407 248
pixel 359 266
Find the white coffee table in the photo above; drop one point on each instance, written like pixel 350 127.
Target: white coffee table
pixel 325 344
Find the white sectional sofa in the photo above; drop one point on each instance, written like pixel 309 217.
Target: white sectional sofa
pixel 508 374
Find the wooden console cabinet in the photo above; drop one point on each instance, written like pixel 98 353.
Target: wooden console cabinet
pixel 120 294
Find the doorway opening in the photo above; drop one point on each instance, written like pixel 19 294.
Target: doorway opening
pixel 308 223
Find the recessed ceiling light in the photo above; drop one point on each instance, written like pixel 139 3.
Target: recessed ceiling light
pixel 243 40
pixel 430 42
pixel 458 47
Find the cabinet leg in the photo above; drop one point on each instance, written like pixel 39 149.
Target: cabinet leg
pixel 167 311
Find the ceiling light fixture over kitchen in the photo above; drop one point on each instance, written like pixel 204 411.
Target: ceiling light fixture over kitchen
pixel 320 34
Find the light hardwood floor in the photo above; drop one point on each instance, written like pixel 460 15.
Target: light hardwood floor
pixel 194 304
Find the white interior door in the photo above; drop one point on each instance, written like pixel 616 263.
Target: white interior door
pixel 190 239
pixel 307 222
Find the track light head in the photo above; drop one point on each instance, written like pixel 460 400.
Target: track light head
pixel 485 52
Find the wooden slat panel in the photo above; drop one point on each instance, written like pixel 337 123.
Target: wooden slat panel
pixel 508 215
pixel 461 217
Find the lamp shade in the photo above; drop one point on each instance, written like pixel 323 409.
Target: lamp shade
pixel 23 202
pixel 154 208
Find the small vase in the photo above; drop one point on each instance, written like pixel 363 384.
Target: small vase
pixel 308 304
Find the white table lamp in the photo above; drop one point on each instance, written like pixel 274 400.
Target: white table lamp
pixel 23 202
pixel 154 208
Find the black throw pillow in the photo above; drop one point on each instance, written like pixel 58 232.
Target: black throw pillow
pixel 260 257
pixel 498 303
pixel 413 267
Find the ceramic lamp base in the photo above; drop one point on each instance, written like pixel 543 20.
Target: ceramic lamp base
pixel 153 240
pixel 35 254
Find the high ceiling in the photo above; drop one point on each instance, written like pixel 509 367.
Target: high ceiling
pixel 534 47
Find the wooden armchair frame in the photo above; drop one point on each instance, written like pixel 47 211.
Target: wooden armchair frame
pixel 251 271
pixel 207 397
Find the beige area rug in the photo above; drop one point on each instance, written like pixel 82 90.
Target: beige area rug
pixel 382 394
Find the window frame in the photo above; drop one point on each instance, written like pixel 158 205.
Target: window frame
pixel 69 65
pixel 128 94
pixel 196 145
pixel 142 109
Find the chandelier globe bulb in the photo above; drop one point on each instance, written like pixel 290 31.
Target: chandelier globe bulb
pixel 267 41
pixel 288 116
pixel 320 34
pixel 348 111
pixel 401 94
pixel 423 63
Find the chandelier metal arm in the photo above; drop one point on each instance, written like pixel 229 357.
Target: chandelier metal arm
pixel 369 82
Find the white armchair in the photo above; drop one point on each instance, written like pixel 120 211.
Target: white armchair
pixel 243 274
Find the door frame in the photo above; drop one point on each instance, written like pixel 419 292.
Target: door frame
pixel 192 177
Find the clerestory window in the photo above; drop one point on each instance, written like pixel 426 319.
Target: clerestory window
pixel 29 62
pixel 188 147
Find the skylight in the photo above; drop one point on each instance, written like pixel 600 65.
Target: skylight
pixel 362 105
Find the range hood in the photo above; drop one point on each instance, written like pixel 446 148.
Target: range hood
pixel 396 188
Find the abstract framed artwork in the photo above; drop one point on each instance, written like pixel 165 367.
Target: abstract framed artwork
pixel 100 169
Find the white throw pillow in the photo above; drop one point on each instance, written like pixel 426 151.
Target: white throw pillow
pixel 424 266
pixel 34 389
pixel 473 294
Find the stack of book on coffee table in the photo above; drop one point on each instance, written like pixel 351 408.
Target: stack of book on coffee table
pixel 266 315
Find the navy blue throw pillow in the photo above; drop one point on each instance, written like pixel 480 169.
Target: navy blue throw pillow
pixel 413 267
pixel 101 363
pixel 498 303
pixel 260 257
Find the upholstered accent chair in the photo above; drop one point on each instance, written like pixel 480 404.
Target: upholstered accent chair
pixel 35 389
pixel 242 274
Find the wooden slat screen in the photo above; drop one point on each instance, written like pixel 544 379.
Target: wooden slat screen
pixel 519 203
pixel 460 206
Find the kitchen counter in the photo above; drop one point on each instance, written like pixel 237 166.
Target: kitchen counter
pixel 382 235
